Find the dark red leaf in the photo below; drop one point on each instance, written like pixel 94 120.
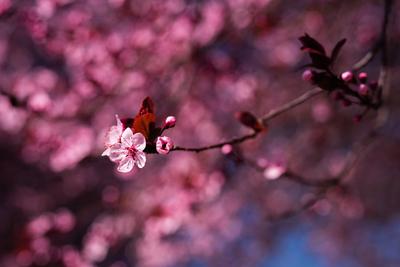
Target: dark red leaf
pixel 144 122
pixel 336 49
pixel 320 61
pixel 310 43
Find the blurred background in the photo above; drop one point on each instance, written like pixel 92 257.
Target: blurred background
pixel 68 66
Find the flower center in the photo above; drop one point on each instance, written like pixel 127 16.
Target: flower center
pixel 132 151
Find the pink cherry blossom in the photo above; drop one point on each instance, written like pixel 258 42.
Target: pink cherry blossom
pixel 164 144
pixel 113 136
pixel 129 152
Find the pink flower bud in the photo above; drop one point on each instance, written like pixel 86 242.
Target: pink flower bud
pixel 169 122
pixel 226 149
pixel 307 75
pixel 363 77
pixel 274 171
pixel 164 144
pixel 363 89
pixel 347 76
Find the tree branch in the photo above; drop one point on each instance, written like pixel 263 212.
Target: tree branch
pixel 264 119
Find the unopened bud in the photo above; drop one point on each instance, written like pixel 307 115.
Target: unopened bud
pixel 307 75
pixel 347 76
pixel 363 76
pixel 226 149
pixel 249 120
pixel 169 122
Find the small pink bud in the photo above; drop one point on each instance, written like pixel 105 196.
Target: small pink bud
pixel 363 89
pixel 363 77
pixel 169 122
pixel 164 144
pixel 347 76
pixel 274 171
pixel 226 149
pixel 307 75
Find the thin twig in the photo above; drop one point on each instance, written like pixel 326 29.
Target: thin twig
pixel 290 105
pixel 218 145
pixel 264 119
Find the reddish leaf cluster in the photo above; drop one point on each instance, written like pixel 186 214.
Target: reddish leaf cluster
pixel 345 88
pixel 145 123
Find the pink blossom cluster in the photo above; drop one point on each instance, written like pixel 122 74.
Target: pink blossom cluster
pixel 126 148
pixel 67 66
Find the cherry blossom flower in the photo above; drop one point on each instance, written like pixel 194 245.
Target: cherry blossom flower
pixel 164 144
pixel 113 136
pixel 129 152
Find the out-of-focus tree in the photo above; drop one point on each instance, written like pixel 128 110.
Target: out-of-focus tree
pixel 252 134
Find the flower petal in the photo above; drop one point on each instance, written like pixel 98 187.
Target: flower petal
pixel 139 141
pixel 113 136
pixel 119 123
pixel 126 165
pixel 127 138
pixel 140 159
pixel 117 152
pixel 106 152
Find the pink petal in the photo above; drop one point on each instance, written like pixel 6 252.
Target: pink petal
pixel 113 136
pixel 126 165
pixel 106 152
pixel 117 153
pixel 140 159
pixel 164 144
pixel 127 138
pixel 119 123
pixel 139 141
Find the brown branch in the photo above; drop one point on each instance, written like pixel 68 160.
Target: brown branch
pixel 380 45
pixel 218 145
pixel 290 105
pixel 296 211
pixel 264 119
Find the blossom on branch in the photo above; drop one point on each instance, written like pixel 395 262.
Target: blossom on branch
pixel 164 144
pixel 129 152
pixel 113 136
